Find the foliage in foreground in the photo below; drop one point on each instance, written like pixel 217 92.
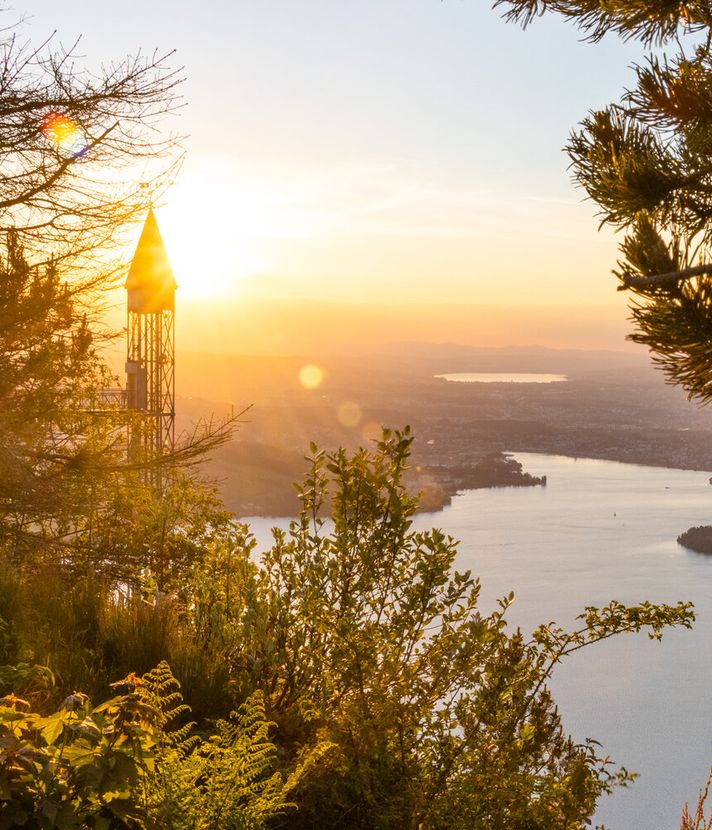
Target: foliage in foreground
pixel 442 718
pixel 698 820
pixel 126 763
pixel 358 635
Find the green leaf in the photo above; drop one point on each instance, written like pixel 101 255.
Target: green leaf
pixel 52 727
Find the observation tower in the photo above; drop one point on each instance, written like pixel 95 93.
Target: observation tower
pixel 150 353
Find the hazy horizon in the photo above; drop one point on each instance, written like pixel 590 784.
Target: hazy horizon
pixel 400 161
pixel 281 326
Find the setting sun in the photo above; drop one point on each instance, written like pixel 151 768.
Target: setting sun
pixel 210 233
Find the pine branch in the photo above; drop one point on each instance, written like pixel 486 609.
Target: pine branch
pixel 663 280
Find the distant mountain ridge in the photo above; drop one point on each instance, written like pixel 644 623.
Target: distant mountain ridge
pixel 454 357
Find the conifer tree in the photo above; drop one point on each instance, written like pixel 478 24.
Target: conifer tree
pixel 646 161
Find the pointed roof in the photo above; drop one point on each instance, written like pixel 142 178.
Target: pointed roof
pixel 150 282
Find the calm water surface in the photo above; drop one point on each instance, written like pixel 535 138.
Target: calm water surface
pixel 601 531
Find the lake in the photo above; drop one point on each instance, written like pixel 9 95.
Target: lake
pixel 501 377
pixel 601 531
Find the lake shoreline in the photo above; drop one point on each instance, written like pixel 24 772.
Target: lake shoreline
pixel 438 495
pixel 601 530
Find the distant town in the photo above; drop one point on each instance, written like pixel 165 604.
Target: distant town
pixel 613 406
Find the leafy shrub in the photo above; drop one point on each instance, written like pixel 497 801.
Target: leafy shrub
pixel 354 636
pixel 127 763
pixel 361 633
pixel 78 767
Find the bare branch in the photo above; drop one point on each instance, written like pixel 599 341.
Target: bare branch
pixel 664 280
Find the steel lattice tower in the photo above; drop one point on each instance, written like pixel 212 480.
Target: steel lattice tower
pixel 150 355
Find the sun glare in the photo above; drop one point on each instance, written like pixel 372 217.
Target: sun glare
pixel 207 233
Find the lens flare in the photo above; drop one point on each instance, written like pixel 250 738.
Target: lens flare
pixel 349 414
pixel 372 431
pixel 67 136
pixel 311 376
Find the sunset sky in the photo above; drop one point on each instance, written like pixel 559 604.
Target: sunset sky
pixel 393 166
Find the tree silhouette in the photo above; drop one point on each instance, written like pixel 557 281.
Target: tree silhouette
pixel 77 148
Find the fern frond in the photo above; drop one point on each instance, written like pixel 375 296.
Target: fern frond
pixel 162 689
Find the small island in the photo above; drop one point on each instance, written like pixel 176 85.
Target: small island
pixel 497 469
pixel 698 539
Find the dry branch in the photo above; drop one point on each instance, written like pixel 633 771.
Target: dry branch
pixel 663 280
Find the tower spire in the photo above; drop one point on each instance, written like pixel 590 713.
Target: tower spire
pixel 150 352
pixel 150 282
